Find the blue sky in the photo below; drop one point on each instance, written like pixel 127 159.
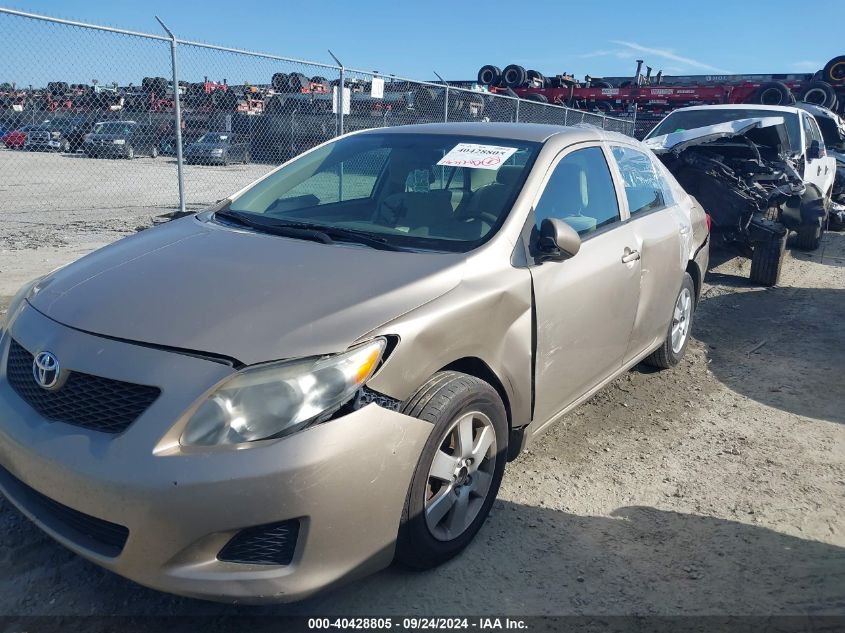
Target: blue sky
pixel 414 39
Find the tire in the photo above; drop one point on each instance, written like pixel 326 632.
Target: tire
pixel 446 401
pixel 834 70
pixel 279 82
pixel 489 75
pixel 535 76
pixel 536 96
pixel 774 93
pixel 514 76
pixel 809 236
pixel 673 348
pixel 297 81
pixel 605 107
pixel 600 84
pixel 766 261
pixel 819 93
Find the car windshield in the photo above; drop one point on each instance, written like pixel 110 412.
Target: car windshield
pixel 213 137
pixel 418 191
pixel 682 120
pixel 112 127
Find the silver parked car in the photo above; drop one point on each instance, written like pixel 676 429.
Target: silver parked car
pixel 329 370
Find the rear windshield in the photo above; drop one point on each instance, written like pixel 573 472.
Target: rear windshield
pixel 426 191
pixel 682 120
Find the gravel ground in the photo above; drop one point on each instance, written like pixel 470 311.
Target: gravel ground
pixel 714 488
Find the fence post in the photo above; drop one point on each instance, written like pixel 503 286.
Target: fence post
pixel 517 110
pixel 341 89
pixel 445 98
pixel 565 116
pixel 634 124
pixel 178 114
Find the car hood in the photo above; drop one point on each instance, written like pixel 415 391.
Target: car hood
pixel 199 286
pixel 679 141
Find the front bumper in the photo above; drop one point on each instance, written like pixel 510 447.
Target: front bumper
pixel 345 480
pixel 44 146
pixel 107 151
pixel 205 159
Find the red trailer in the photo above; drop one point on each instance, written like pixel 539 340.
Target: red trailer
pixel 660 94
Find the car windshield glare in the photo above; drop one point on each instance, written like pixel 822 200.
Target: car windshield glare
pixel 213 137
pixel 682 120
pixel 424 191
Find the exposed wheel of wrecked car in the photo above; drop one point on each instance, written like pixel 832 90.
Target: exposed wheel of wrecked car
pixel 600 84
pixel 489 75
pixel 459 471
pixel 809 236
pixel 672 351
pixel 766 261
pixel 819 93
pixel 514 76
pixel 774 93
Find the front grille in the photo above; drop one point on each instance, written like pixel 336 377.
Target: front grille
pixel 92 402
pixel 100 536
pixel 271 544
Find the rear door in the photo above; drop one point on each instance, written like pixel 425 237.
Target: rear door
pixel 585 306
pixel 656 225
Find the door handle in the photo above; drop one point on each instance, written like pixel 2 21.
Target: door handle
pixel 630 256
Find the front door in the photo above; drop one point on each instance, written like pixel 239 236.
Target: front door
pixel 585 305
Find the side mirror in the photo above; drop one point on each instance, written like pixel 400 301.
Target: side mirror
pixel 815 151
pixel 558 240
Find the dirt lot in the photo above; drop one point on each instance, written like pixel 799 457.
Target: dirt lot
pixel 714 488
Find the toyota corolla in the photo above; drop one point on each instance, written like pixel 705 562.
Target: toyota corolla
pixel 329 370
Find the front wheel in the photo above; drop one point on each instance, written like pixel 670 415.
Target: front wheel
pixel 459 471
pixel 674 346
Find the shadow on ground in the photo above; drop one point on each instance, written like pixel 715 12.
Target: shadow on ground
pixel 783 347
pixel 526 560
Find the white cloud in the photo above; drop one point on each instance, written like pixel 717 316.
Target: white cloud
pixel 668 54
pixel 806 66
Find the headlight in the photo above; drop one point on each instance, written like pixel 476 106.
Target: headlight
pixel 119 141
pixel 280 398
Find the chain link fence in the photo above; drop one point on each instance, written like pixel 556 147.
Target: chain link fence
pixel 88 115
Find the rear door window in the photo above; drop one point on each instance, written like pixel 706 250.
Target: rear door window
pixel 644 186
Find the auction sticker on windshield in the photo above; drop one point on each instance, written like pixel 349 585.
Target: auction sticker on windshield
pixel 477 156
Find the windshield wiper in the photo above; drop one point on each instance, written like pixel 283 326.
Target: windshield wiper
pixel 347 235
pixel 306 230
pixel 284 230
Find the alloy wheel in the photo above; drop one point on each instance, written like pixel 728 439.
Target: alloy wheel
pixel 460 475
pixel 681 320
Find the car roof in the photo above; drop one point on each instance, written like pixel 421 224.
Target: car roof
pixel 741 106
pixel 536 132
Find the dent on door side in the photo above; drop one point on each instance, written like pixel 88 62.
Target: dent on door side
pixel 486 317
